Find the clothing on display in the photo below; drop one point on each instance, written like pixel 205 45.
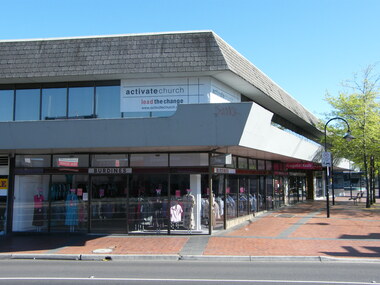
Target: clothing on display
pixel 71 210
pixel 188 206
pixel 176 215
pixel 38 213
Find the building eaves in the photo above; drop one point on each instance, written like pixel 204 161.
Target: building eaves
pixel 242 67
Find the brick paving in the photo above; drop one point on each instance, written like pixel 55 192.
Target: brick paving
pixel 299 230
pixel 130 245
pixel 303 230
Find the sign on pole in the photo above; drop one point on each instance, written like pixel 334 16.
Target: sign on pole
pixel 326 159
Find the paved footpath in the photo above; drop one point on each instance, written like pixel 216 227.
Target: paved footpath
pixel 299 232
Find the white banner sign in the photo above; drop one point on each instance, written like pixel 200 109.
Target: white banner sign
pixel 153 98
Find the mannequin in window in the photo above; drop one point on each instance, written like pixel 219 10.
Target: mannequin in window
pixel 38 213
pixel 71 210
pixel 157 211
pixel 188 206
pixel 139 211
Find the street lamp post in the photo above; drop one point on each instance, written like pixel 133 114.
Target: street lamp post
pixel 348 137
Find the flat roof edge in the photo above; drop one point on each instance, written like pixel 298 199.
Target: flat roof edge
pixel 105 36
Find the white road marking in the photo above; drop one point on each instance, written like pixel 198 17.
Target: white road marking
pixel 92 278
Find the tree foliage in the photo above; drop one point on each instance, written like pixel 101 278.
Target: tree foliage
pixel 360 107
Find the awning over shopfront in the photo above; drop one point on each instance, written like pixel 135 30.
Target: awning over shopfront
pixel 239 128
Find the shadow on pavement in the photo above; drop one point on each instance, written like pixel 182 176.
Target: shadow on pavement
pixel 41 242
pixel 369 236
pixel 352 252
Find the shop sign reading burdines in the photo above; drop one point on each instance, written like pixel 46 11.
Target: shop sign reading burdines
pixel 110 170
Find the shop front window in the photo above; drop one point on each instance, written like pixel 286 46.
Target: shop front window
pixel 3 202
pixel 218 188
pixel 253 192
pixel 108 204
pixel 30 208
pixel 278 191
pixel 262 194
pixel 244 198
pixel 148 210
pixel 187 205
pixel 269 188
pixel 6 105
pixel 69 202
pixel 232 193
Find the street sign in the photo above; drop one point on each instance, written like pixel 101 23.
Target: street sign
pixel 326 159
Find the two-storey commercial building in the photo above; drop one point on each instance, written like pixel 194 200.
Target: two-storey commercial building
pixel 148 133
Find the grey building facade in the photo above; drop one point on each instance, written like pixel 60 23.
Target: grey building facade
pixel 151 133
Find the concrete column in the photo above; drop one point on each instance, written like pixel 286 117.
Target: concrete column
pixel 195 186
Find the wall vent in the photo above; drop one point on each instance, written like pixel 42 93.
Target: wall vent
pixel 3 160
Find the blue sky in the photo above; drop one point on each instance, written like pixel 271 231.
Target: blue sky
pixel 307 47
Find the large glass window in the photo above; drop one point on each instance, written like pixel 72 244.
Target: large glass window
pixel 253 191
pixel 108 102
pixel 187 207
pixel 278 191
pixel 54 103
pixel 31 203
pixel 81 101
pixel 3 202
pixel 148 203
pixel 269 188
pixel 244 198
pixel 27 104
pixel 232 193
pixel 218 189
pixel 69 202
pixel 109 204
pixel 6 105
pixel 262 199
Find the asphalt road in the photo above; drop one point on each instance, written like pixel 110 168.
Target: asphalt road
pixel 186 272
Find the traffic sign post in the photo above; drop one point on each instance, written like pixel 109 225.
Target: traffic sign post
pixel 326 159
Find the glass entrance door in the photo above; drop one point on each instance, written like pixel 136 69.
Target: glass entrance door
pixel 108 204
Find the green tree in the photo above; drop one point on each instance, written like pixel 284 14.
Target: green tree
pixel 360 107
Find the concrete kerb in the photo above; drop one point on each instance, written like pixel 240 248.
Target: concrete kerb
pixel 45 256
pixel 210 258
pixel 128 257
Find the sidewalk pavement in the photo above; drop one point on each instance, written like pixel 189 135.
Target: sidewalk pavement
pixel 300 232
